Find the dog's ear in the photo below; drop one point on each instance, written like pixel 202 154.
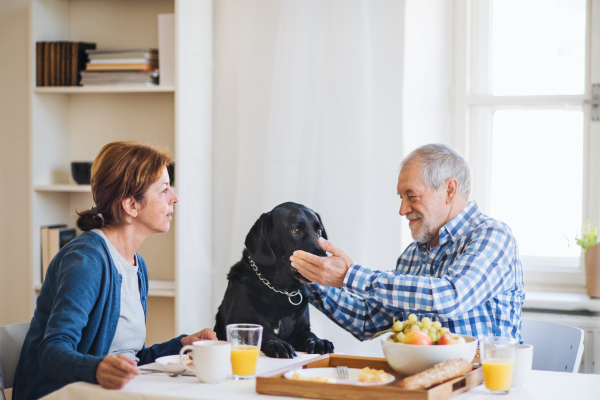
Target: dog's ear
pixel 257 241
pixel 323 233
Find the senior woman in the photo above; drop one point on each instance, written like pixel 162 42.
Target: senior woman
pixel 89 321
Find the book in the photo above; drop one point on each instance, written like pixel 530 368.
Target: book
pixel 45 254
pixel 151 54
pixel 118 77
pixel 121 67
pixel 166 48
pixel 46 72
pixel 39 64
pixel 123 61
pixel 52 64
pixel 79 59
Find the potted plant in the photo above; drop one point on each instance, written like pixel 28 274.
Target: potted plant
pixel 589 241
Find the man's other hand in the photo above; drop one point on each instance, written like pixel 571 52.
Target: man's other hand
pixel 114 372
pixel 326 271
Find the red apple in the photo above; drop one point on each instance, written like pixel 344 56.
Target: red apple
pixel 417 337
pixel 451 338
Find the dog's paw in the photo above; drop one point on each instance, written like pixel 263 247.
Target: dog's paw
pixel 315 345
pixel 277 348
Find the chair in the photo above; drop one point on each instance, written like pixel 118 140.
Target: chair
pixel 556 347
pixel 11 341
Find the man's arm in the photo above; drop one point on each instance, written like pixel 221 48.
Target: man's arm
pixel 482 271
pixel 353 313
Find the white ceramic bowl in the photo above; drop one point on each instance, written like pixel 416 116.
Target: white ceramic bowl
pixel 409 359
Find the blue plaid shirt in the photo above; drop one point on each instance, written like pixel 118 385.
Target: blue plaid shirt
pixel 472 283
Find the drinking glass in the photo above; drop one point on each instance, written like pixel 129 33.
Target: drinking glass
pixel 498 361
pixel 245 342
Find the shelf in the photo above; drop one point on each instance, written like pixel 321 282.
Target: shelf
pixel 157 288
pixel 105 89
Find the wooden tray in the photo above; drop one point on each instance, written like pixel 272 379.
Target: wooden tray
pixel 275 384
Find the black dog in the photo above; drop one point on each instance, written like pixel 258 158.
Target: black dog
pixel 264 289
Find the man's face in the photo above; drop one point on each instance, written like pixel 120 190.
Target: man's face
pixel 425 208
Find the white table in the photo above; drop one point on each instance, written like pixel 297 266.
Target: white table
pixel 543 385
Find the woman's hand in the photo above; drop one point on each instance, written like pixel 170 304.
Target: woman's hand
pixel 114 372
pixel 204 334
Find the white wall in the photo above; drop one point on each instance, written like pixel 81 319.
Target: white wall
pixel 428 61
pixel 15 287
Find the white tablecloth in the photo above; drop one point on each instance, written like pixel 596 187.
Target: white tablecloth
pixel 542 385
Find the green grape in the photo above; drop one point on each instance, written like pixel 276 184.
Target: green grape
pixel 420 325
pixel 397 326
pixel 432 337
pixel 400 337
pixel 407 328
pixel 412 318
pixel 426 322
pixel 433 331
pixel 425 330
pixel 443 331
pixel 437 324
pixel 415 328
pixel 391 338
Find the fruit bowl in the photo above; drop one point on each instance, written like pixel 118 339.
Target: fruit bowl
pixel 409 359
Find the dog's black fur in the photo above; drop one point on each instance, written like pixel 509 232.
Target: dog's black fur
pixel 270 243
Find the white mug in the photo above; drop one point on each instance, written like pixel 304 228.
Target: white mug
pixel 523 363
pixel 212 360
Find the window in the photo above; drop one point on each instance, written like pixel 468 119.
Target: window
pixel 522 74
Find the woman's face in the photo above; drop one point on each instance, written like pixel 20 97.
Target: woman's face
pixel 157 210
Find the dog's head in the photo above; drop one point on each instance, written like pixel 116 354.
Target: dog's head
pixel 281 231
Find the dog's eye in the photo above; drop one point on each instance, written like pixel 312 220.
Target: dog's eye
pixel 295 231
pixel 319 233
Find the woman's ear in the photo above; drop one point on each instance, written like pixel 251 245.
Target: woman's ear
pixel 131 206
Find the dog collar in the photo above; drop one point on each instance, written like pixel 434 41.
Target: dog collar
pixel 266 282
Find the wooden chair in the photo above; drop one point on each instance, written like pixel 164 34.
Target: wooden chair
pixel 11 341
pixel 556 347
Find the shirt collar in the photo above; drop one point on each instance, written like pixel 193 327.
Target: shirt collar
pixel 460 224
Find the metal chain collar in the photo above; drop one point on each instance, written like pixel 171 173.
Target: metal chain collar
pixel 266 282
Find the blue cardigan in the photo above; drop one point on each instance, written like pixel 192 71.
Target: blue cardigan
pixel 75 320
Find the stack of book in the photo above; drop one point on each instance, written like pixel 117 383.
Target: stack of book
pixel 59 63
pixel 117 67
pixel 53 238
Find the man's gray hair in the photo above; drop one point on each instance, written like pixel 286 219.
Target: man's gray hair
pixel 439 163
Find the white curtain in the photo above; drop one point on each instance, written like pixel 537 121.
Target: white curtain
pixel 308 108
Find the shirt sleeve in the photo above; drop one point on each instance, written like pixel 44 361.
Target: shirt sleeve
pixel 358 316
pixel 479 272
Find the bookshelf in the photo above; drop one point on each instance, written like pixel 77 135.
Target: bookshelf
pixel 73 123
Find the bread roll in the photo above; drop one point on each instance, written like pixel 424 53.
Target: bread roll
pixel 437 374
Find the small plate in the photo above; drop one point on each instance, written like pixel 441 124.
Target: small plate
pixel 171 363
pixel 332 373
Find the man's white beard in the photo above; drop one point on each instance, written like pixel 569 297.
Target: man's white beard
pixel 422 232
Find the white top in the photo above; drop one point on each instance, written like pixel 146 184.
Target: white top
pixel 130 335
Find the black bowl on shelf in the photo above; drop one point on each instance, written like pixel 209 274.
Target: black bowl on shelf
pixel 82 172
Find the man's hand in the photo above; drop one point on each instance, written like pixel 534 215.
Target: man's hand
pixel 114 372
pixel 326 271
pixel 204 334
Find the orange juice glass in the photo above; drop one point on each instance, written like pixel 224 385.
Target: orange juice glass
pixel 245 342
pixel 498 360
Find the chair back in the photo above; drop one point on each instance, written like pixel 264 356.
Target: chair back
pixel 11 341
pixel 556 347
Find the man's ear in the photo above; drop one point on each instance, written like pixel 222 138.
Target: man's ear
pixel 323 233
pixel 130 206
pixel 451 189
pixel 257 241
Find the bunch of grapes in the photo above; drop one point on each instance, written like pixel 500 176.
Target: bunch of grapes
pixel 432 328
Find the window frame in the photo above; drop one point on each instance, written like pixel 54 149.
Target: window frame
pixel 472 129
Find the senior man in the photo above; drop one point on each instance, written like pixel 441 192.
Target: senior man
pixel 462 269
